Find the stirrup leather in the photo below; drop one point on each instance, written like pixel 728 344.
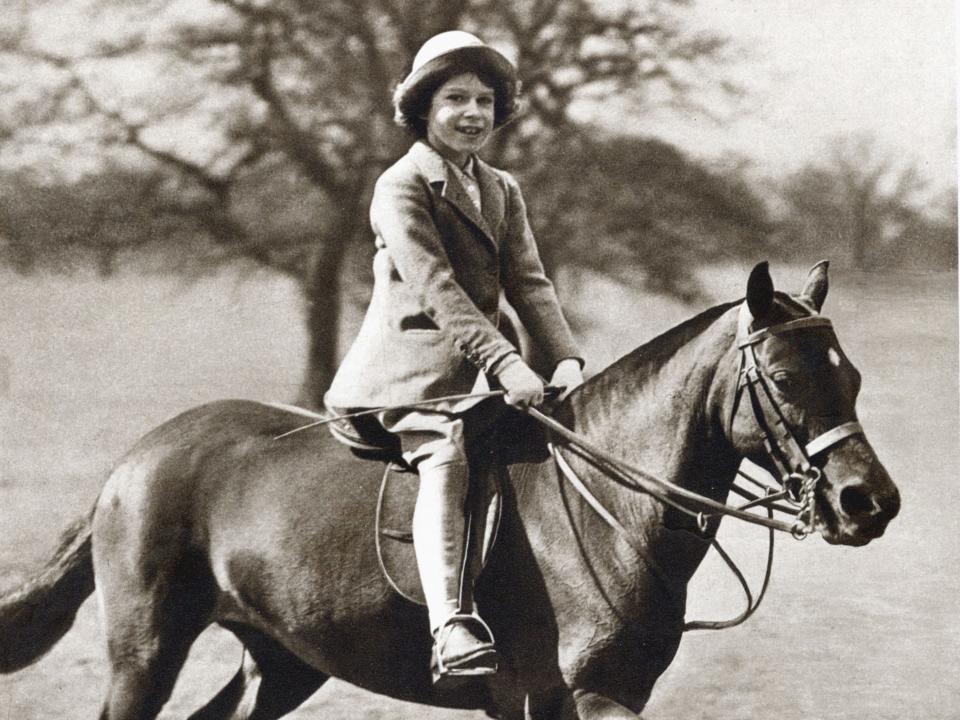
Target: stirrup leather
pixel 486 650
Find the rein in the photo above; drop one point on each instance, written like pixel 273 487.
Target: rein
pixel 327 419
pixel 798 476
pixel 638 481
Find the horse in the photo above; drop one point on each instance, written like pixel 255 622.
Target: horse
pixel 210 518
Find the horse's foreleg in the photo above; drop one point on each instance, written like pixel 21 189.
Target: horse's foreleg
pixel 593 706
pixel 556 704
pixel 579 705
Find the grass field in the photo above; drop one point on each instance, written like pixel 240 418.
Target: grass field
pixel 86 367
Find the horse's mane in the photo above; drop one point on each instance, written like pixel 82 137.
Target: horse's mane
pixel 639 362
pixel 663 346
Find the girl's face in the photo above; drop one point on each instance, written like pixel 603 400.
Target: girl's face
pixel 460 118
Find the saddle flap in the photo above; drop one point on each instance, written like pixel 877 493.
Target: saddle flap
pixel 365 437
pixel 394 536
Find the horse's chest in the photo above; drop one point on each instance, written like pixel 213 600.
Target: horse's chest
pixel 612 619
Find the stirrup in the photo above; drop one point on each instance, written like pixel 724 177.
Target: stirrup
pixel 485 652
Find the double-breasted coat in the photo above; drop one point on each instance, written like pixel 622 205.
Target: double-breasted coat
pixel 438 271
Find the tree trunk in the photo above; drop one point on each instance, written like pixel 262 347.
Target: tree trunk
pixel 323 309
pixel 107 260
pixel 859 239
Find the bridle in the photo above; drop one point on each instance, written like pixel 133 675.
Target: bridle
pixel 798 475
pixel 794 462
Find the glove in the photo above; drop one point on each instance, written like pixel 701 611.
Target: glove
pixel 567 375
pixel 524 387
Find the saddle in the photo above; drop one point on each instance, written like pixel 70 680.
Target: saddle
pixel 512 438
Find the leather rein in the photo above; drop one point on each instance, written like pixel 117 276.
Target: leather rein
pixel 798 476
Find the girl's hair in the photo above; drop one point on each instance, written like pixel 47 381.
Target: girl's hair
pixel 412 103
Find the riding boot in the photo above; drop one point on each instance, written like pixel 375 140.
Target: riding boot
pixel 463 644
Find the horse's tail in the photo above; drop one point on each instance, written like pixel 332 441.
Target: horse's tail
pixel 34 616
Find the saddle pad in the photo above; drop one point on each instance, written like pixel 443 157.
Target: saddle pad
pixel 398 495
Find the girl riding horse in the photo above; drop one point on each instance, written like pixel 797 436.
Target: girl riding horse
pixel 451 233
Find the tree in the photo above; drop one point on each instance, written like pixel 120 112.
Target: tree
pixel 858 203
pixel 931 241
pixel 94 220
pixel 260 125
pixel 640 206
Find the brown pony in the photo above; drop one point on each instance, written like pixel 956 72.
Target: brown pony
pixel 212 519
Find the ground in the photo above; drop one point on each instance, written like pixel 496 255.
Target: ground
pixel 86 367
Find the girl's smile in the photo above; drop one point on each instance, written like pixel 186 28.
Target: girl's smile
pixel 461 117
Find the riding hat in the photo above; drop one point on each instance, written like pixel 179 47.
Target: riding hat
pixel 448 54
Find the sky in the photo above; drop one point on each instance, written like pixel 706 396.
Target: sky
pixel 817 69
pixel 813 70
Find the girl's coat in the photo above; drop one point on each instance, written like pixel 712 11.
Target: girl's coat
pixel 438 272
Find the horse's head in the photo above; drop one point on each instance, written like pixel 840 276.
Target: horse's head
pixel 795 411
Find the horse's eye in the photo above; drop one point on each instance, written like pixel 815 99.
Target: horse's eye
pixel 783 380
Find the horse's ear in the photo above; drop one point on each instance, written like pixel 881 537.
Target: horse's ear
pixel 760 291
pixel 815 288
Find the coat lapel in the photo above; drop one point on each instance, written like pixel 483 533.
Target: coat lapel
pixel 435 170
pixel 491 194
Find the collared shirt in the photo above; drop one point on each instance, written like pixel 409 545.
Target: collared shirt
pixel 467 177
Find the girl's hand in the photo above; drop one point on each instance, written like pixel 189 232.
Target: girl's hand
pixel 567 375
pixel 524 387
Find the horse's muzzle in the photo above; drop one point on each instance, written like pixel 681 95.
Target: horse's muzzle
pixel 856 507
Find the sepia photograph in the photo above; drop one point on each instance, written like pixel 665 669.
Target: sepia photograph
pixel 462 359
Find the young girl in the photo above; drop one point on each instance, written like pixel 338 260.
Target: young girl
pixel 451 232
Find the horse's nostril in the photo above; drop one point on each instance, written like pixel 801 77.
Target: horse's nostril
pixel 856 503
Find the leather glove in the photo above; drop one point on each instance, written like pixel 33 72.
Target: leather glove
pixel 567 375
pixel 524 387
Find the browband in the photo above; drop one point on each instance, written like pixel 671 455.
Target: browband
pixel 798 324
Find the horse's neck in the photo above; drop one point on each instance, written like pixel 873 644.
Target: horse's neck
pixel 661 410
